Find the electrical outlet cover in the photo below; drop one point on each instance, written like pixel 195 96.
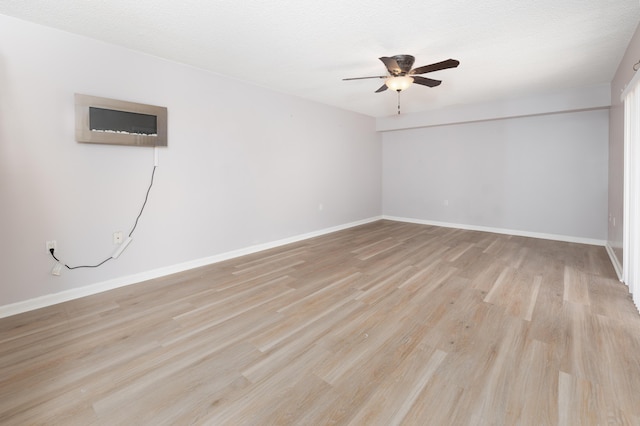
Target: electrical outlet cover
pixel 117 237
pixel 51 245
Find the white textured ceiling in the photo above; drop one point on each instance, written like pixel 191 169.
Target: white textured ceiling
pixel 506 48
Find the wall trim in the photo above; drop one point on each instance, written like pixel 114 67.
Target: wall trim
pixel 554 237
pixel 614 261
pixel 91 289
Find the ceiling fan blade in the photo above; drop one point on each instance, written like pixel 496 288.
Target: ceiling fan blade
pixel 382 88
pixel 425 81
pixel 391 64
pixel 362 78
pixel 449 63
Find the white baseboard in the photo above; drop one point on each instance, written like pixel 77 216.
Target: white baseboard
pixel 614 261
pixel 76 293
pixel 554 237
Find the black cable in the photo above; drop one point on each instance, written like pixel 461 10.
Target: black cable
pixel 89 266
pixel 54 256
pixel 146 197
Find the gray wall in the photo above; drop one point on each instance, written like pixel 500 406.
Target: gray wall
pixel 244 166
pixel 616 145
pixel 542 174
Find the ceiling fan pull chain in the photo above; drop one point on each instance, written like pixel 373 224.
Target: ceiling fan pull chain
pixel 398 102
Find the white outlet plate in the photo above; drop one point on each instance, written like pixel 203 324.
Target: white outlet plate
pixel 51 245
pixel 117 237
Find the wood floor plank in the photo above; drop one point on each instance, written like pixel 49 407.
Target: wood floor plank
pixel 394 399
pixel 576 289
pixel 289 349
pixel 580 402
pixel 384 323
pixel 517 291
pixel 190 389
pixel 258 401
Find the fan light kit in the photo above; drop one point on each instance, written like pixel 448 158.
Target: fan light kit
pixel 400 75
pixel 398 83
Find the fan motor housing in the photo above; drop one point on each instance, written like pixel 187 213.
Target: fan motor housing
pixel 405 62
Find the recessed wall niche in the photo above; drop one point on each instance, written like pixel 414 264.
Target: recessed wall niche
pixel 115 122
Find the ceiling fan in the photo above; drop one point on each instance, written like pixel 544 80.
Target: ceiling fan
pixel 400 75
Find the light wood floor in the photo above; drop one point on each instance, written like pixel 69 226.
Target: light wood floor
pixel 383 324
